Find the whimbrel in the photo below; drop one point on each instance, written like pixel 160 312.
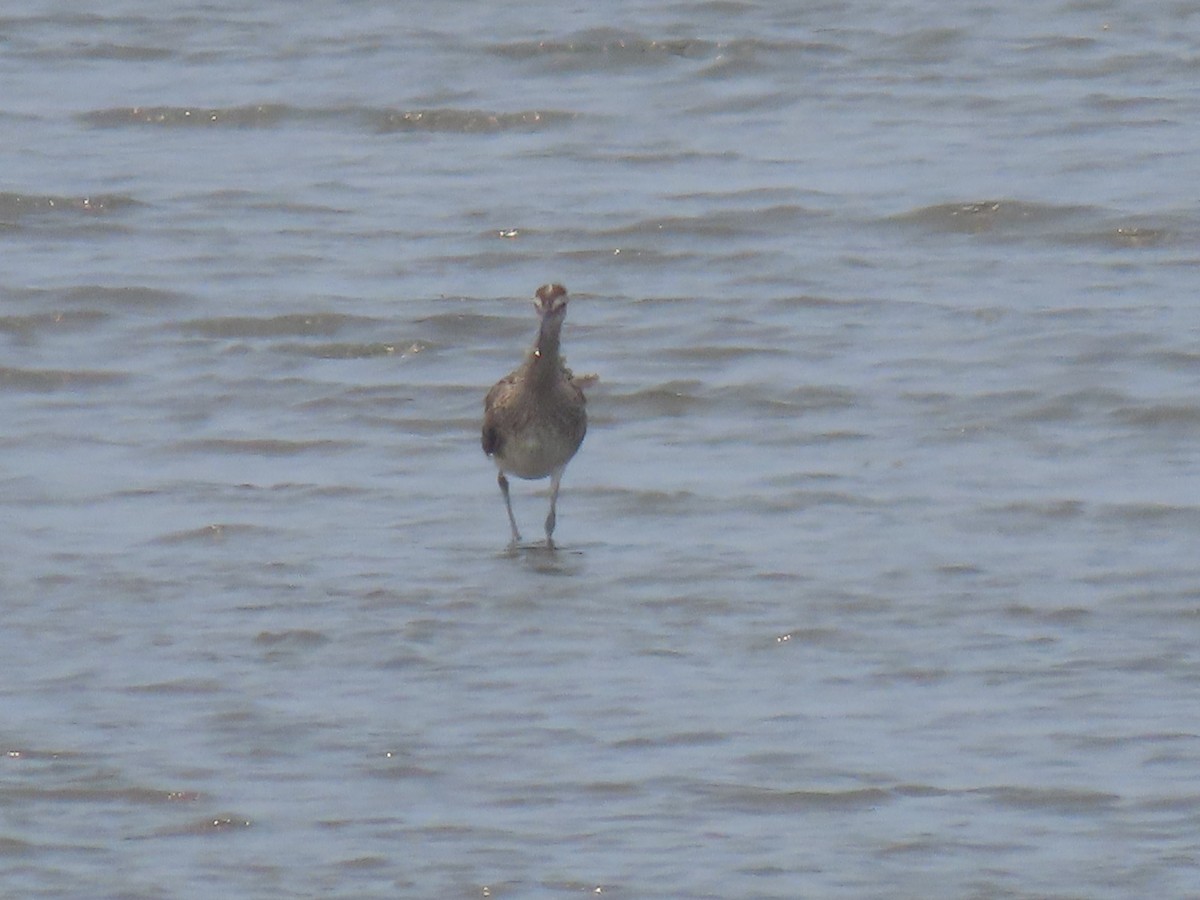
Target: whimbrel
pixel 534 418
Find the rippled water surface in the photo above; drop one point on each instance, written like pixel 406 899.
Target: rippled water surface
pixel 878 569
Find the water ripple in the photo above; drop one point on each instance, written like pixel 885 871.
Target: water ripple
pixel 772 801
pixel 466 121
pixel 271 115
pixel 319 324
pixel 258 115
pixel 47 380
pixel 979 217
pixel 262 446
pixel 14 206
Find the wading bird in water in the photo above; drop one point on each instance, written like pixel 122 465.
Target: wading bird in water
pixel 534 418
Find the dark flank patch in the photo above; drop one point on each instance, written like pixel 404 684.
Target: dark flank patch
pixel 491 440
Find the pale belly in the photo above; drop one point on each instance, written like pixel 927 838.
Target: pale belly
pixel 536 454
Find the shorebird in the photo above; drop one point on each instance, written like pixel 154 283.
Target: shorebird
pixel 534 418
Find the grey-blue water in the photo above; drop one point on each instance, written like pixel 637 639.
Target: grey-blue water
pixel 878 570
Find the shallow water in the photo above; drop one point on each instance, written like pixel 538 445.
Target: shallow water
pixel 877 571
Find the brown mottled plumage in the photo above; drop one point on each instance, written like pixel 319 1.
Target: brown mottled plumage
pixel 534 418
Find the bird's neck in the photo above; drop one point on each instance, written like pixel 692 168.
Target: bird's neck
pixel 544 355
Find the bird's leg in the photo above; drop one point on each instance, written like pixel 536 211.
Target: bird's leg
pixel 555 478
pixel 512 520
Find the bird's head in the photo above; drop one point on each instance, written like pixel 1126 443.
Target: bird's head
pixel 551 300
